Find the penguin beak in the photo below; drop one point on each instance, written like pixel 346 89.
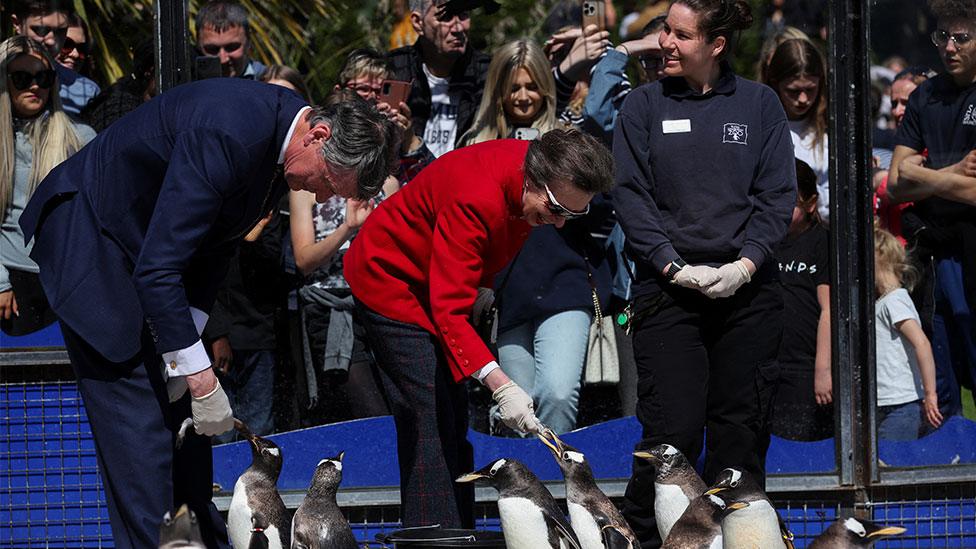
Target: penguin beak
pixel 714 490
pixel 181 511
pixel 243 429
pixel 471 477
pixel 738 505
pixel 648 456
pixel 887 531
pixel 341 455
pixel 555 446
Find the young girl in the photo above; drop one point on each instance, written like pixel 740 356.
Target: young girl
pixel 802 409
pixel 797 73
pixel 903 352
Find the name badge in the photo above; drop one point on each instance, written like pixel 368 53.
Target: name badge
pixel 676 126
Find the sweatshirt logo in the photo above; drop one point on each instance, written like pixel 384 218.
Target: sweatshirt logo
pixel 736 133
pixel 969 119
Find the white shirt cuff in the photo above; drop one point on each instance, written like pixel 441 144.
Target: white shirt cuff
pixel 187 361
pixel 484 371
pixel 192 359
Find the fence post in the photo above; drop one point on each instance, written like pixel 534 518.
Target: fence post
pixel 851 221
pixel 170 38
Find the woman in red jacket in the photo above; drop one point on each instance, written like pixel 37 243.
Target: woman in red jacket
pixel 415 269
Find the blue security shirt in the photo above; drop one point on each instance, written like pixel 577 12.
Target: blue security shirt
pixel 707 178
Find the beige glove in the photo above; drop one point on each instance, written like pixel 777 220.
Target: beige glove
pixel 211 413
pixel 516 409
pixel 731 277
pixel 696 277
pixel 176 387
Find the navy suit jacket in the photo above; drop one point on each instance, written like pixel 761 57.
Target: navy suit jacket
pixel 140 224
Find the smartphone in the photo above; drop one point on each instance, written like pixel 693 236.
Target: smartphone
pixel 205 66
pixel 527 134
pixel 394 92
pixel 595 13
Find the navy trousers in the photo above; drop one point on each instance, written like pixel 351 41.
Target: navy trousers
pixel 705 368
pixel 134 427
pixel 431 415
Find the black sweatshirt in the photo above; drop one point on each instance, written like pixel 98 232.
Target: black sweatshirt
pixel 707 178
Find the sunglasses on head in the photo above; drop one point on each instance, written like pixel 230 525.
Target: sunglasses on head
pixel 69 44
pixel 555 208
pixel 22 79
pixel 44 30
pixel 941 38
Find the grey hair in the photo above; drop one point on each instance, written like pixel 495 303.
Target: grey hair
pixel 222 15
pixel 420 6
pixel 363 140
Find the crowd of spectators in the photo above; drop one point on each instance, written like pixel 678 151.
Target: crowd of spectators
pixel 284 336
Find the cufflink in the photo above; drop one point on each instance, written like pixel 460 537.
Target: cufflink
pixel 172 365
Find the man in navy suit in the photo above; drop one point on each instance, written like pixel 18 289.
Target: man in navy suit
pixel 133 235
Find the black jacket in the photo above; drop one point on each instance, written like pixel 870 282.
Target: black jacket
pixel 467 79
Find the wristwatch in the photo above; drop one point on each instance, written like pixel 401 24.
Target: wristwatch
pixel 675 266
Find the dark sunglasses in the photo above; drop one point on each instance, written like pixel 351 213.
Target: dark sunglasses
pixel 941 38
pixel 214 50
pixel 44 30
pixel 555 208
pixel 22 79
pixel 69 44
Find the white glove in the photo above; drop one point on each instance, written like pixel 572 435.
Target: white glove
pixel 176 387
pixel 486 296
pixel 211 413
pixel 516 409
pixel 731 277
pixel 696 277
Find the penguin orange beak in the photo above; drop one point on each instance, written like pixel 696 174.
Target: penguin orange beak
pixel 243 429
pixel 471 477
pixel 738 505
pixel 555 445
pixel 714 490
pixel 887 531
pixel 648 456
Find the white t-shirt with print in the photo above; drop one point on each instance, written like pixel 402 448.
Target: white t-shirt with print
pixel 441 129
pixel 898 375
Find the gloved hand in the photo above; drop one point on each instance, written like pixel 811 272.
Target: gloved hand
pixel 731 277
pixel 211 413
pixel 176 387
pixel 516 409
pixel 696 277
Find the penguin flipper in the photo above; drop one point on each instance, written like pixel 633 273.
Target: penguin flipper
pixel 614 538
pixel 564 530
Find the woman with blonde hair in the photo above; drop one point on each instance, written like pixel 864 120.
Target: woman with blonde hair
pixel 39 136
pixel 520 92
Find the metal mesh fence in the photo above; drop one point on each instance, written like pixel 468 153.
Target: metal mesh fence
pixel 934 516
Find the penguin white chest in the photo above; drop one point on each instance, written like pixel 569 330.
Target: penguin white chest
pixel 754 527
pixel 239 517
pixel 523 525
pixel 274 538
pixel 585 526
pixel 669 503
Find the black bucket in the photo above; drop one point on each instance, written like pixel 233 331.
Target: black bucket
pixel 436 537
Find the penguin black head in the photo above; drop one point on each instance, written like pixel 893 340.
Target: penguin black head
pixel 720 506
pixel 328 474
pixel 865 533
pixel 667 460
pixel 502 474
pixel 180 531
pixel 740 484
pixel 572 462
pixel 265 455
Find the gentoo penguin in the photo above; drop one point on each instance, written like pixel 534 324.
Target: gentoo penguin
pixel 851 533
pixel 256 491
pixel 596 520
pixel 318 522
pixel 180 531
pixel 676 484
pixel 700 526
pixel 758 526
pixel 530 517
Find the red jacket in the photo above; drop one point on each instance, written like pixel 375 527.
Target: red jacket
pixel 422 254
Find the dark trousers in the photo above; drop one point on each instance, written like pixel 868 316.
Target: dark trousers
pixel 431 415
pixel 250 389
pixel 704 366
pixel 134 427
